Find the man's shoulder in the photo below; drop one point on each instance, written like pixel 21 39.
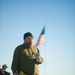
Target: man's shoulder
pixel 7 73
pixel 19 47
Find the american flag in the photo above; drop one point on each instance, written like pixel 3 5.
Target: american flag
pixel 41 37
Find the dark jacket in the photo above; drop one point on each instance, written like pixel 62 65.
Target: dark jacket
pixel 4 72
pixel 24 59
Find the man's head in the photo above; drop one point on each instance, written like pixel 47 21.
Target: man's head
pixel 28 38
pixel 4 67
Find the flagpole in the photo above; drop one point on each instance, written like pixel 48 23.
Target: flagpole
pixel 45 52
pixel 41 40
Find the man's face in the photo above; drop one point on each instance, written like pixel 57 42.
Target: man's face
pixel 5 68
pixel 29 40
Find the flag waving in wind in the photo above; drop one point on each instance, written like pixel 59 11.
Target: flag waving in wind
pixel 41 37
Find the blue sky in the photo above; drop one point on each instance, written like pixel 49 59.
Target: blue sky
pixel 20 16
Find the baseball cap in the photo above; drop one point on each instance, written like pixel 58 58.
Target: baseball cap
pixel 4 66
pixel 29 35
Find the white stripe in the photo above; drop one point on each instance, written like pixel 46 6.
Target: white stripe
pixel 41 40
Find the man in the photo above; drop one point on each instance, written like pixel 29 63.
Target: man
pixel 24 58
pixel 3 70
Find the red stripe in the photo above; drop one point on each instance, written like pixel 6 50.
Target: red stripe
pixel 41 40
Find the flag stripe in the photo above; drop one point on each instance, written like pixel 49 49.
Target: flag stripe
pixel 41 38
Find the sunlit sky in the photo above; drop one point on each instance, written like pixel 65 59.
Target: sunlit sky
pixel 20 16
